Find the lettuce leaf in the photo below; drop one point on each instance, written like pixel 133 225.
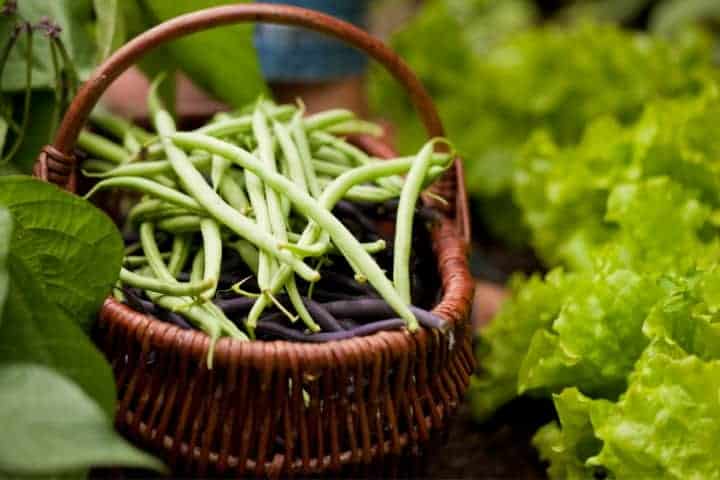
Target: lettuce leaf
pixel 595 339
pixel 690 315
pixel 584 329
pixel 493 96
pixel 567 449
pixel 666 424
pixel 533 304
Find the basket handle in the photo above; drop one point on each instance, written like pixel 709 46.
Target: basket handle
pixel 56 162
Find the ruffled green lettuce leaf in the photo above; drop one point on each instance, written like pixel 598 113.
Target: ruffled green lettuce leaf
pixel 567 449
pixel 666 424
pixel 534 303
pixel 493 95
pixel 595 339
pixel 690 315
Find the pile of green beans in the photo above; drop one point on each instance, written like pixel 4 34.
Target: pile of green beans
pixel 263 182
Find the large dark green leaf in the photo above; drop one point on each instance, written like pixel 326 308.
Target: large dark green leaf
pixel 50 426
pixel 110 26
pixel 221 60
pixel 71 246
pixel 35 330
pixel 5 232
pixel 75 17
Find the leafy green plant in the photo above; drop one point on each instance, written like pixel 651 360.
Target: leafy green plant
pixel 65 40
pixel 222 61
pixel 630 330
pixel 51 426
pixel 60 256
pixel 663 426
pixel 556 79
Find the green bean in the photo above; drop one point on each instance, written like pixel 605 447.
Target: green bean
pixel 332 155
pixel 219 167
pixel 212 245
pixel 404 221
pixel 327 118
pixel 232 192
pixel 131 143
pixel 341 236
pixel 153 209
pixel 355 127
pixel 285 205
pixel 145 169
pixel 267 157
pixel 297 173
pixel 292 155
pixel 266 197
pixel 364 193
pixel 330 196
pixel 232 126
pixel 179 254
pixel 356 155
pixel 133 261
pixel 117 292
pixel 197 270
pixel 321 248
pixel 220 117
pixel 275 209
pixel 132 248
pixel 333 170
pixel 303 148
pixel 257 200
pixel 152 252
pixel 165 181
pixel 164 287
pixel 329 168
pixel 117 125
pixel 150 150
pixel 194 183
pixel 180 224
pixel 150 187
pixel 351 152
pixel 247 252
pixel 101 147
pixel 206 318
pixel 93 167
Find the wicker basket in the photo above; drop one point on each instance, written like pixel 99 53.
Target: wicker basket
pixel 368 400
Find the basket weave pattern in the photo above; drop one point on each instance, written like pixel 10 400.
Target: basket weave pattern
pixel 271 407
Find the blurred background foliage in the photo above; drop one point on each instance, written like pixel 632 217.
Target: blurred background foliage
pixel 501 70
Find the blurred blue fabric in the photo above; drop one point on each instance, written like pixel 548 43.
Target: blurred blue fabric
pixel 293 54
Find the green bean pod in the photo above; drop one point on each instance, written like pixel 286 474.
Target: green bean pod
pixel 167 288
pixel 147 169
pixel 102 148
pixel 304 203
pixel 212 246
pixel 194 183
pixel 150 187
pixel 404 221
pixel 234 194
pixel 303 148
pixel 181 224
pixel 333 193
pixel 179 254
